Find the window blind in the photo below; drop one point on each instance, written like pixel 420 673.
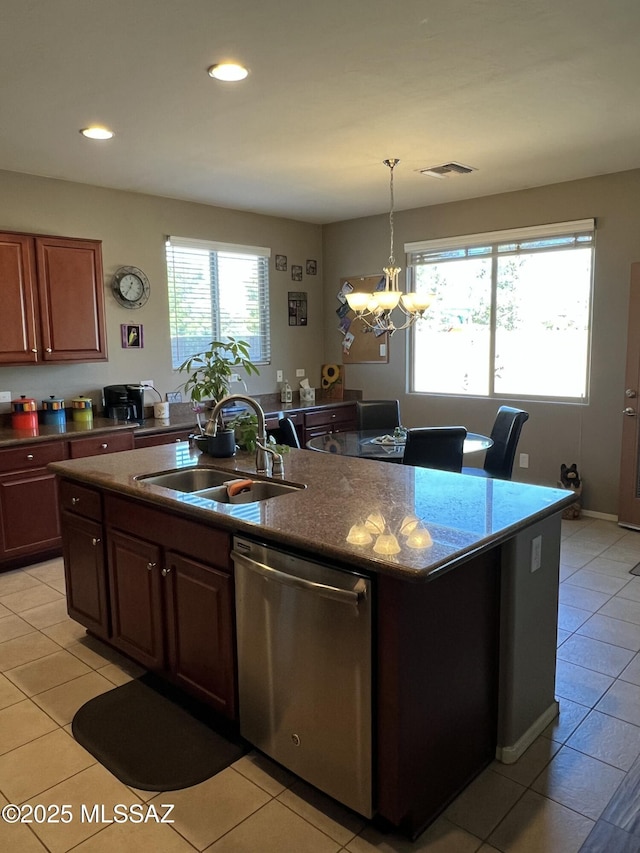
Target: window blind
pixel 217 290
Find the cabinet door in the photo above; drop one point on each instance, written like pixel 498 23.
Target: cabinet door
pixel 135 593
pixel 18 295
pixel 85 574
pixel 199 606
pixel 71 291
pixel 28 514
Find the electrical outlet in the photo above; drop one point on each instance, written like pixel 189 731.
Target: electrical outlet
pixel 148 383
pixel 235 377
pixel 536 553
pixel 5 396
pixel 524 460
pixel 300 371
pixel 279 376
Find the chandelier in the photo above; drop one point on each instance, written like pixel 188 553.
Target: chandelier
pixel 376 309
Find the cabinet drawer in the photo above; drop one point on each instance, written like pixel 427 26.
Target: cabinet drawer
pixel 80 500
pixel 35 455
pixel 163 437
pixel 328 417
pixel 99 444
pixel 271 421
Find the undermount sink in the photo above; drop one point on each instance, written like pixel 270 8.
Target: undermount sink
pixel 209 483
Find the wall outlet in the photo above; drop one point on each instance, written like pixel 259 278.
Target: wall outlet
pixel 536 553
pixel 148 383
pixel 300 371
pixel 279 376
pixel 235 377
pixel 524 460
pixel 5 396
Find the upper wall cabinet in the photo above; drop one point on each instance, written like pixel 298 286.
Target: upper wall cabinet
pixel 52 295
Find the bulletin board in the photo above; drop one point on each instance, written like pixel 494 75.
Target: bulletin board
pixel 367 347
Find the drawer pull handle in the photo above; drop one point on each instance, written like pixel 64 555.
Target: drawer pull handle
pixel 95 541
pixel 34 349
pixel 49 349
pixel 104 446
pixel 75 501
pixel 151 566
pixel 165 572
pixel 30 457
pixel 333 415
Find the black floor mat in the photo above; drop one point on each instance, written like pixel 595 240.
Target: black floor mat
pixel 152 736
pixel 635 570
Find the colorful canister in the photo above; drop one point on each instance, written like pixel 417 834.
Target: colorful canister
pixel 82 410
pixel 24 414
pixel 53 412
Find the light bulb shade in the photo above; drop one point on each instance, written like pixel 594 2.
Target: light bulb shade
pixel 359 535
pixel 375 523
pixel 358 301
pixel 422 301
pixel 387 299
pixel 387 544
pixel 419 538
pixel 409 523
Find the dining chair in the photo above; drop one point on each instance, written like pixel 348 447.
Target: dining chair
pixel 505 434
pixel 288 433
pixel 435 447
pixel 377 414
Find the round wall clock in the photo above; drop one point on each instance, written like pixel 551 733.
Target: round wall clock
pixel 131 287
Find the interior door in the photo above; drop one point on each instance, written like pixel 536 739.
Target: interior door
pixel 629 497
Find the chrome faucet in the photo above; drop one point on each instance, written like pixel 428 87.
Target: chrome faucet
pixel 263 460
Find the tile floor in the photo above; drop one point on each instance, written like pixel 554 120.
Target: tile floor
pixel 575 789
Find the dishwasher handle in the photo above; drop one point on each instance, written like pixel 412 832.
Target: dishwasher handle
pixel 347 596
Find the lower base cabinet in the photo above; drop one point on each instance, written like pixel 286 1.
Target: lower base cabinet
pixel 171 599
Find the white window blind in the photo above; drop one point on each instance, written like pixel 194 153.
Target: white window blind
pixel 217 290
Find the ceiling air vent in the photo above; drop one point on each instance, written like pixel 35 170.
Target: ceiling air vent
pixel 447 169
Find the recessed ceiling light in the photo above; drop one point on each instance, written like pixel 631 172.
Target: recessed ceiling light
pixel 228 71
pixel 97 133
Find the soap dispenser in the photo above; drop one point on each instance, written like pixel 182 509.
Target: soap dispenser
pixel 286 394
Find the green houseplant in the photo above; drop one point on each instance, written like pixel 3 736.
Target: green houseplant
pixel 210 371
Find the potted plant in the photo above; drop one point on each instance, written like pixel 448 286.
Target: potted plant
pixel 210 371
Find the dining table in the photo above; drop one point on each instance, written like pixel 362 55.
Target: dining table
pixel 372 444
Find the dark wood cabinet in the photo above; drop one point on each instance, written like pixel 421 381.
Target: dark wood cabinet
pixel 83 553
pixel 169 437
pixel 171 598
pixel 29 523
pixel 329 419
pixel 52 294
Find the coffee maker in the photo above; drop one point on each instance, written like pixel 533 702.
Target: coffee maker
pixel 124 402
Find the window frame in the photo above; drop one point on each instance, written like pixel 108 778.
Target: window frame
pixel 492 240
pixel 262 257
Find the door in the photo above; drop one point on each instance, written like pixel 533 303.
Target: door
pixel 86 582
pixel 629 496
pixel 28 514
pixel 18 342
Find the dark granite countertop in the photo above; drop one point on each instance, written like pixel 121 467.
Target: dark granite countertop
pixel 463 514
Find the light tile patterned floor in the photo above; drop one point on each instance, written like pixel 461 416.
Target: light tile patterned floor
pixel 574 789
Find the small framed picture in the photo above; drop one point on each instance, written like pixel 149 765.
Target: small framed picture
pixel 131 336
pixel 281 262
pixel 296 272
pixel 312 267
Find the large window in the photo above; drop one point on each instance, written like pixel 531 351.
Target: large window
pixel 217 290
pixel 511 314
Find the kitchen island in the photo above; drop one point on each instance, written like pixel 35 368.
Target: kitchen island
pixel 464 626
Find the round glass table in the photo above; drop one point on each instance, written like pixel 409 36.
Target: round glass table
pixel 370 444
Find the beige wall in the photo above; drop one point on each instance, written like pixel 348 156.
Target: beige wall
pixel 588 435
pixel 133 228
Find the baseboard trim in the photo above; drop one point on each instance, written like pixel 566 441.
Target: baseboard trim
pixel 605 516
pixel 510 754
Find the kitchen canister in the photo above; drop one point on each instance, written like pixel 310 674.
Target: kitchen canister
pixel 53 412
pixel 82 410
pixel 24 414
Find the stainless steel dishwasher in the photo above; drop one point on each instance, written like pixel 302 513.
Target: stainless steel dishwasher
pixel 304 668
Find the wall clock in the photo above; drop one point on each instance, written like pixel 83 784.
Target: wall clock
pixel 131 287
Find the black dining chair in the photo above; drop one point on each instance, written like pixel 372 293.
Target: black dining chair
pixel 288 433
pixel 378 414
pixel 505 433
pixel 435 447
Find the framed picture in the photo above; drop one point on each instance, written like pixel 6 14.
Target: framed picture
pixel 281 262
pixel 131 336
pixel 296 272
pixel 312 267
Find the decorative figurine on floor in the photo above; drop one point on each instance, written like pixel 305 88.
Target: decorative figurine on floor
pixel 570 479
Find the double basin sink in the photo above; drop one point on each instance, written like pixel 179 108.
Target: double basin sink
pixel 211 483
